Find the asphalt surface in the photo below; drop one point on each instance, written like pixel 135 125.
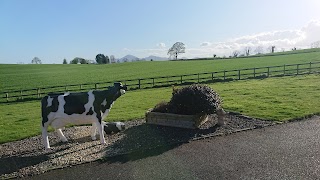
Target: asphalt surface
pixel 287 151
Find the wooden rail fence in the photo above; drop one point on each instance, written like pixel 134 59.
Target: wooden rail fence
pixel 154 82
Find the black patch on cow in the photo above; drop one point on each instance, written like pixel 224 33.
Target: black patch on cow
pixel 110 95
pixel 75 103
pixel 90 112
pixel 45 111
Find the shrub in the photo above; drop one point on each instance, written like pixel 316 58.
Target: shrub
pixel 191 100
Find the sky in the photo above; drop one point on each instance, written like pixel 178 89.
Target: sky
pixel 54 30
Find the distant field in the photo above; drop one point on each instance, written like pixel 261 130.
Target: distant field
pixel 277 99
pixel 16 77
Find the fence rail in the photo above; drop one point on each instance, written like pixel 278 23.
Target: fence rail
pixel 154 82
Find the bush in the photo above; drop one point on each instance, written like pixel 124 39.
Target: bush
pixel 191 100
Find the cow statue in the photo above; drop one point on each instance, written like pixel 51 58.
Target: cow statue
pixel 59 110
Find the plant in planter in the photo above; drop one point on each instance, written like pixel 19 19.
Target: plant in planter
pixel 192 103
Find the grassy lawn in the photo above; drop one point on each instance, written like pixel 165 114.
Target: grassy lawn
pixel 16 77
pixel 277 99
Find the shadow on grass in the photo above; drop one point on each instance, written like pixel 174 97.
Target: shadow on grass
pixel 145 140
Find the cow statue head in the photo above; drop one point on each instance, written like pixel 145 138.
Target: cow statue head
pixel 119 88
pixel 113 127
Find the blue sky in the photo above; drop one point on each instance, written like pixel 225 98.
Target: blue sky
pixel 54 30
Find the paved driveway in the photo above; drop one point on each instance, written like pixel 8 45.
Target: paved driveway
pixel 288 151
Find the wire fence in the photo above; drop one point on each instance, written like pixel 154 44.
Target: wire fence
pixel 156 82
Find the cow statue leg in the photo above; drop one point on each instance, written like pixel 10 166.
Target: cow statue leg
pixel 100 130
pixel 93 131
pixel 45 137
pixel 61 135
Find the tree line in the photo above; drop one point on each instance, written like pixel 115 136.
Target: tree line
pixel 100 59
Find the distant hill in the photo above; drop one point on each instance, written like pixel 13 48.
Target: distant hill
pixel 130 58
pixel 155 58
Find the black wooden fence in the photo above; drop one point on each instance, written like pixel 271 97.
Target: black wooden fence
pixel 143 83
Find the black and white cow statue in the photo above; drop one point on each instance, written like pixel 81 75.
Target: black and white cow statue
pixel 59 110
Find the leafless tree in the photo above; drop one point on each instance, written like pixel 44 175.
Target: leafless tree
pixel 112 59
pixel 235 53
pixel 247 51
pixel 176 49
pixel 259 50
pixel 271 49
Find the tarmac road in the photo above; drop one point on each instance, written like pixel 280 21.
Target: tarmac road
pixel 287 151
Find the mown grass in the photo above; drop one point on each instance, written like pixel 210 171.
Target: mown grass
pixel 17 77
pixel 278 99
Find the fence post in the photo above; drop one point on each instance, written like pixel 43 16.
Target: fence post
pixel 80 86
pixel 239 74
pixel 284 70
pixel 254 72
pixel 224 75
pixel 297 69
pixel 38 92
pixel 152 82
pixel 21 94
pixel 310 68
pixel 95 86
pixel 7 97
pixel 268 71
pixel 139 83
pixel 181 79
pixel 212 76
pixel 198 77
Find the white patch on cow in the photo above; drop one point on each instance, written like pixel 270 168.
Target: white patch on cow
pixel 122 91
pixel 104 102
pixel 49 101
pixel 90 102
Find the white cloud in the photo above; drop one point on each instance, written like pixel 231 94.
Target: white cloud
pixel 282 39
pixel 126 49
pixel 161 45
pixel 204 44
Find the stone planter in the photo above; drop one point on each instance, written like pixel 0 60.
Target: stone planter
pixel 175 120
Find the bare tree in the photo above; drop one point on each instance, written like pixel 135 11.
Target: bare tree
pixel 176 49
pixel 235 53
pixel 271 49
pixel 36 60
pixel 112 59
pixel 259 50
pixel 247 51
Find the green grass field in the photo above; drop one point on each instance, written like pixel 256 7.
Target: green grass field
pixel 276 99
pixel 16 77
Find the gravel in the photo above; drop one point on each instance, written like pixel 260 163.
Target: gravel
pixel 27 157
